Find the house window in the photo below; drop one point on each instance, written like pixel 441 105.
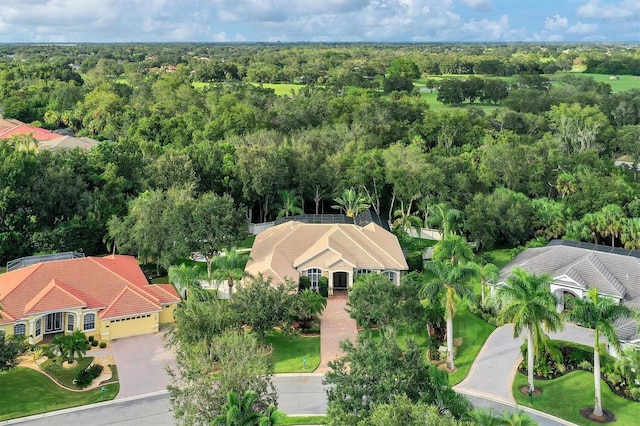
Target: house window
pixel 38 327
pixel 314 275
pixel 391 275
pixel 89 322
pixel 361 272
pixel 70 322
pixel 19 330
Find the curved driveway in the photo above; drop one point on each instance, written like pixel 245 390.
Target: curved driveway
pixel 494 369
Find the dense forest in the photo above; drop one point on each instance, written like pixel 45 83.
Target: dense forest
pixel 519 141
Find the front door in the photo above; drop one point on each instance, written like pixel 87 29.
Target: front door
pixel 53 323
pixel 340 280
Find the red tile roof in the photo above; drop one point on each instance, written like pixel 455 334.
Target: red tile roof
pixel 25 129
pixel 95 283
pixel 54 296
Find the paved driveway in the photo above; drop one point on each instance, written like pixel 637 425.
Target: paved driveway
pixel 335 326
pixel 142 362
pixel 492 372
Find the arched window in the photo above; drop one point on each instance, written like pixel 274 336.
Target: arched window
pixel 71 319
pixel 89 322
pixel 314 275
pixel 391 275
pixel 19 330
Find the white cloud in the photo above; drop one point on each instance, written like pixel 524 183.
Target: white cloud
pixel 479 5
pixel 622 11
pixel 581 28
pixel 555 22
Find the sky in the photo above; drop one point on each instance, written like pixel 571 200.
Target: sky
pixel 54 21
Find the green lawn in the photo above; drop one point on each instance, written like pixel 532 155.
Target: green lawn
pixel 624 82
pixel 305 420
pixel 65 376
pixel 474 332
pixel 565 396
pixel 500 257
pixel 25 392
pixel 290 351
pixel 247 242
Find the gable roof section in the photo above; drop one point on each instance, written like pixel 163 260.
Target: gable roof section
pixel 8 123
pixel 95 282
pixel 56 295
pixel 129 302
pixel 279 250
pixel 67 142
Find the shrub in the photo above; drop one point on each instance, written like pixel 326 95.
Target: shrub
pixel 94 343
pixel 10 349
pixel 103 345
pixel 633 393
pixel 86 377
pixel 91 339
pixel 304 284
pixel 323 286
pixel 585 365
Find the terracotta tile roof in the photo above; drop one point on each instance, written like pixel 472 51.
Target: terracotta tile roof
pixel 56 295
pixel 96 282
pixel 25 129
pixel 129 302
pixel 7 123
pixel 279 250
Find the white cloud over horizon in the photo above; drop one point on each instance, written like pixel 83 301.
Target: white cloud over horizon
pixel 329 20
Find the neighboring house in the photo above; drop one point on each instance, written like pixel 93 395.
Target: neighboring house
pixel 67 142
pixel 626 161
pixel 24 129
pixel 106 297
pixel 576 267
pixel 338 251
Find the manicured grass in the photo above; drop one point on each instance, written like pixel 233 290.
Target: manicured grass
pixel 25 392
pixel 405 332
pixel 247 242
pixel 565 396
pixel 501 257
pixel 290 351
pixel 474 332
pixel 305 420
pixel 624 82
pixel 63 375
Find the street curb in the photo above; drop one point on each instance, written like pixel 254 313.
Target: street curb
pixel 81 408
pixel 503 401
pixel 299 375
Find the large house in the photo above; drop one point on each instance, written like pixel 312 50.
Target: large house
pixel 106 297
pixel 577 267
pixel 338 251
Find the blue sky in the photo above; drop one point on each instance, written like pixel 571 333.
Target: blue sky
pixel 319 20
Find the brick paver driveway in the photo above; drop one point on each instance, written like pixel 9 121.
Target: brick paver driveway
pixel 335 326
pixel 141 363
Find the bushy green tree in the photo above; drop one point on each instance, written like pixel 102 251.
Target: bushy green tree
pixel 10 349
pixel 373 301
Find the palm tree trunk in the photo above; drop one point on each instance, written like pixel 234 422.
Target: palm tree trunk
pixel 450 342
pixel 530 358
pixel 482 291
pixel 597 409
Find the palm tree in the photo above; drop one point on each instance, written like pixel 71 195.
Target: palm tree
pixel 481 417
pixel 452 279
pixel 599 313
pixel 630 235
pixel 186 277
pixel 449 219
pixel 310 305
pixel 272 417
pixel 77 345
pixel 530 305
pixel 406 221
pixel 610 221
pixel 453 249
pixel 290 201
pixel 238 411
pixel 229 267
pixel 487 272
pixel 516 418
pixel 565 184
pixel 351 203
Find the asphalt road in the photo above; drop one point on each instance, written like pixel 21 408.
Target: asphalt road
pixel 296 395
